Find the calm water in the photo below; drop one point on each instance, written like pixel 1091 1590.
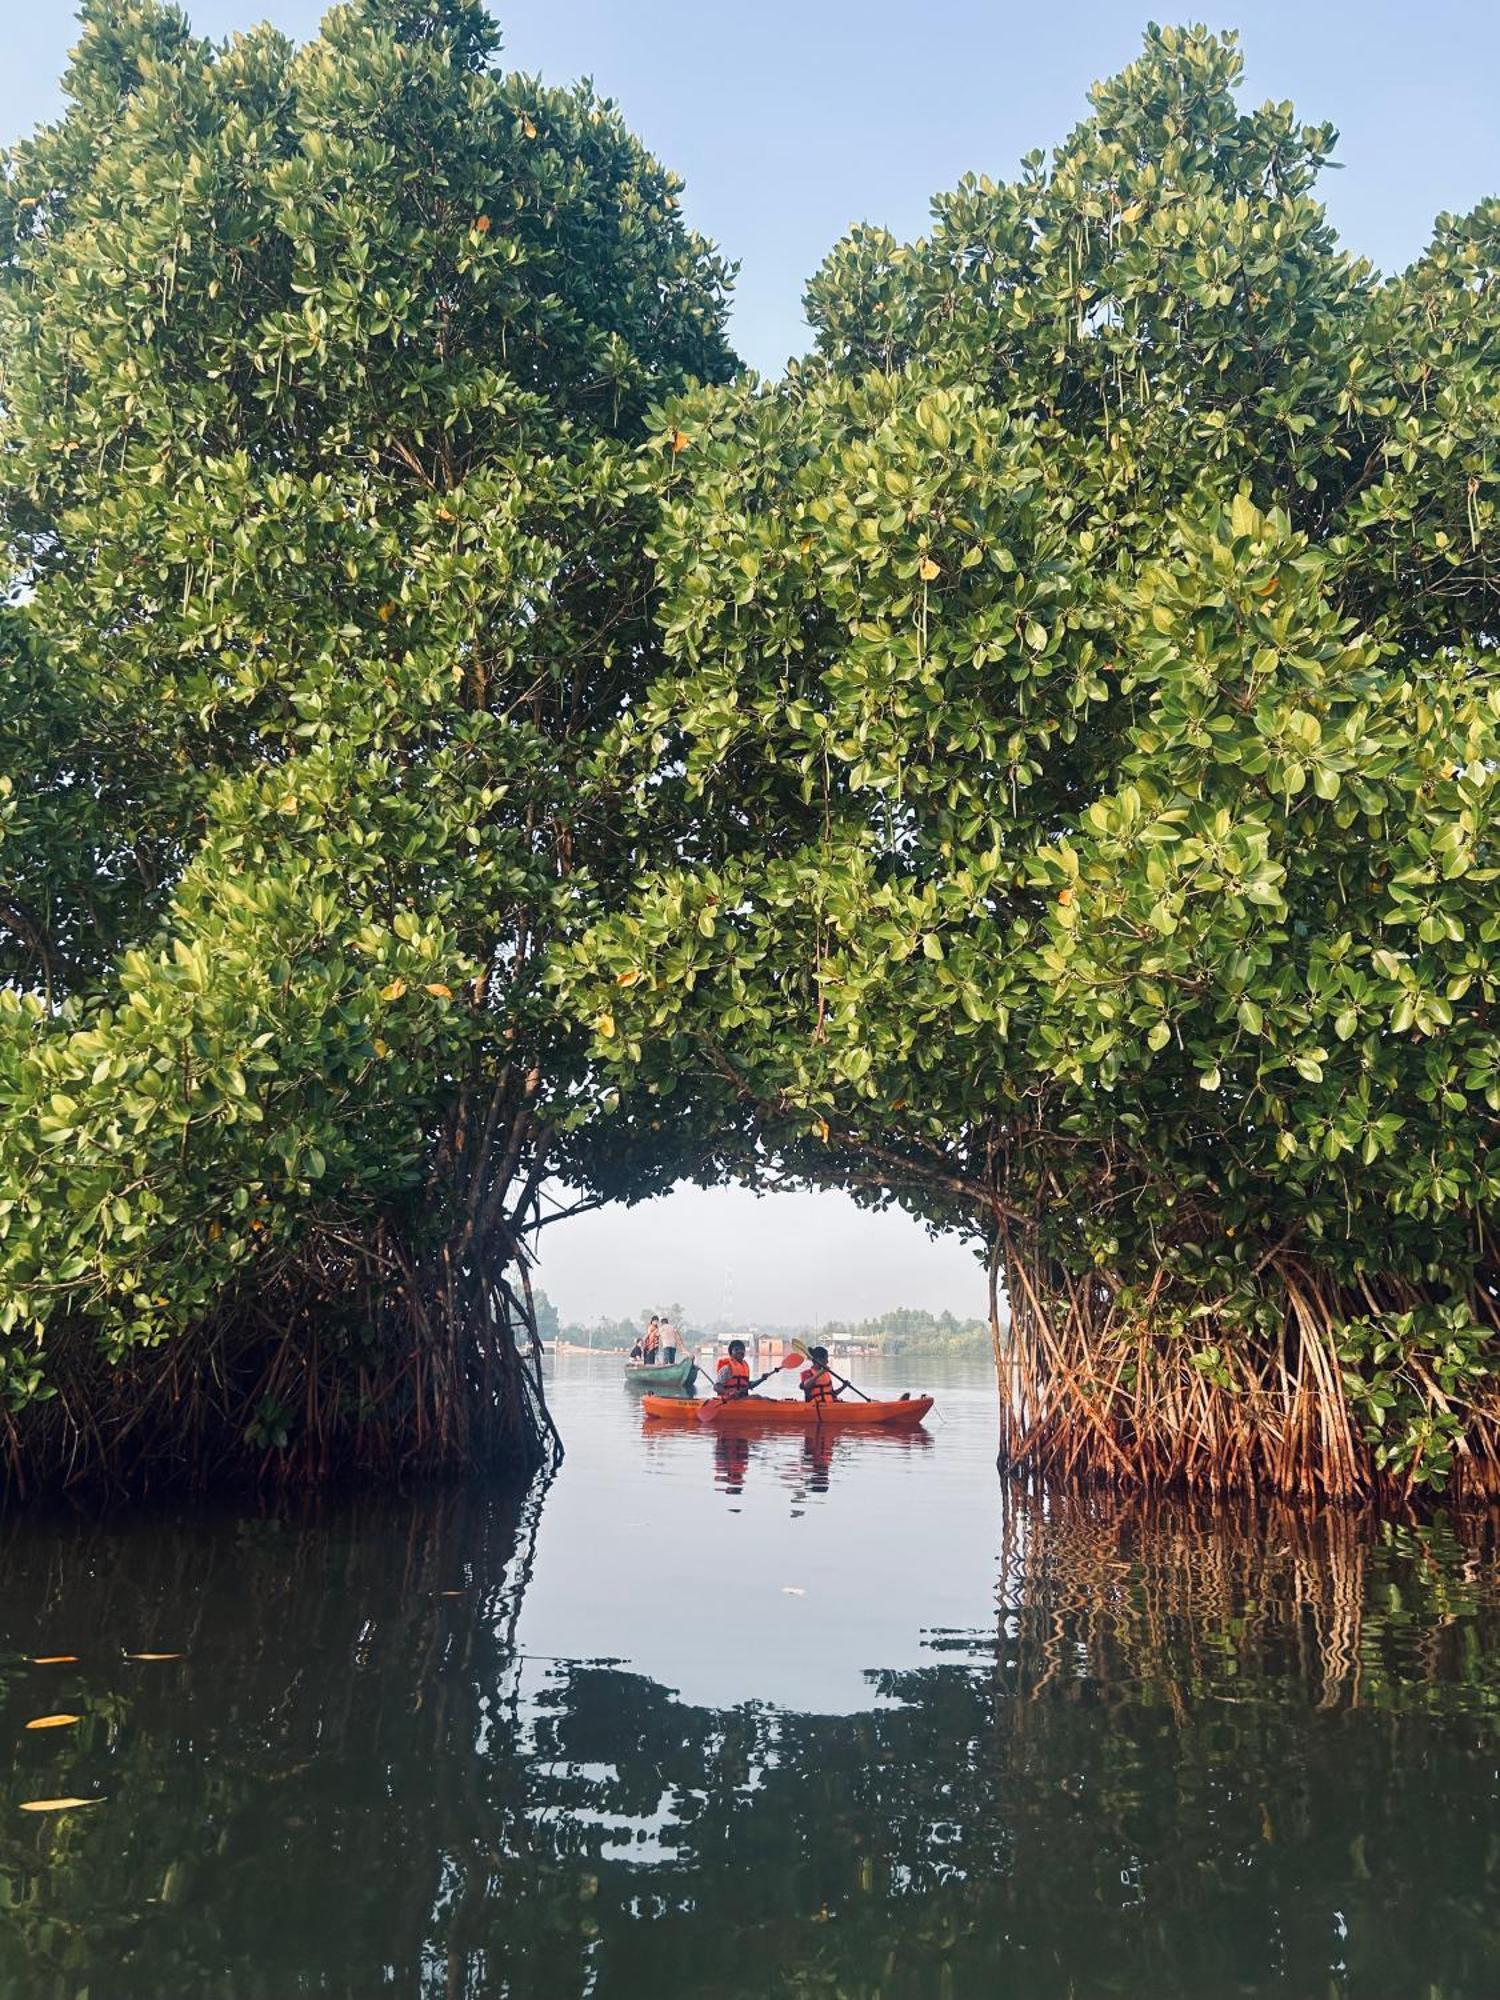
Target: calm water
pixel 749 1718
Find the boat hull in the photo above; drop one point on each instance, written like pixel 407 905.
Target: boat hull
pixel 678 1376
pixel 764 1412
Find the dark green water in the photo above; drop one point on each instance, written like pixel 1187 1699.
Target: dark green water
pixel 731 1719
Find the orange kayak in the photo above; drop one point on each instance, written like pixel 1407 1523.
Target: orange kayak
pixel 784 1413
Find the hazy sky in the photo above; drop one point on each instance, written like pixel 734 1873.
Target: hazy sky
pixel 793 118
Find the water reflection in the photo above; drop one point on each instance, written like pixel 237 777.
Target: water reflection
pixel 803 1462
pixel 1189 1756
pixel 284 1808
pixel 731 1461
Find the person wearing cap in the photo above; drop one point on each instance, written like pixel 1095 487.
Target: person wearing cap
pixel 818 1385
pixel 732 1378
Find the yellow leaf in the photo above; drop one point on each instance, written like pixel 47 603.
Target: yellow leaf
pixel 680 441
pixel 153 1656
pixel 927 569
pixel 55 1660
pixel 289 803
pixel 57 1805
pixel 394 991
pixel 605 1025
pixel 628 977
pixel 54 1721
pixel 439 991
pixel 382 1048
pixel 482 224
pixel 528 128
pixel 821 1128
pixel 1065 896
pixel 383 614
pixel 215 1231
pixel 1134 213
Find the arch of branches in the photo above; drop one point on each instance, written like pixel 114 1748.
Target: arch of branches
pixel 1034 762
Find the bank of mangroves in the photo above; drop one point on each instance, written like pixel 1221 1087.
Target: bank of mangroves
pixel 1034 762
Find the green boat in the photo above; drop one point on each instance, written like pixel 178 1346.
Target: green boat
pixel 665 1381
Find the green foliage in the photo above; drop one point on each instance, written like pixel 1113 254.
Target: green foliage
pixel 1082 736
pixel 324 373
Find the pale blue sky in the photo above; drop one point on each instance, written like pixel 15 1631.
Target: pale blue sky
pixel 792 119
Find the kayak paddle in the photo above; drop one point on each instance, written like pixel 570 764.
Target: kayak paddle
pixel 715 1403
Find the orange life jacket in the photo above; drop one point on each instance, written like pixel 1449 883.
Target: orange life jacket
pixel 817 1384
pixel 733 1377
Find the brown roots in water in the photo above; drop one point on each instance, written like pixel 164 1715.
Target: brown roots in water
pixel 1094 1389
pixel 359 1362
pixel 1176 1595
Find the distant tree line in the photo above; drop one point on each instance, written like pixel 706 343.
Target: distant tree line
pixel 907 1329
pixel 910 1329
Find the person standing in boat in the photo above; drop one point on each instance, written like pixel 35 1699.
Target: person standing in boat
pixel 651 1345
pixel 732 1379
pixel 818 1385
pixel 668 1341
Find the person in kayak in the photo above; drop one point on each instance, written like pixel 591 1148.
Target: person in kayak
pixel 733 1378
pixel 818 1385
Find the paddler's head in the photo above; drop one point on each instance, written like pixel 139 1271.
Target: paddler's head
pixel 737 1350
pixel 818 1354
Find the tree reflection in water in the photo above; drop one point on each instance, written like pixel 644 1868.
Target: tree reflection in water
pixel 1192 1757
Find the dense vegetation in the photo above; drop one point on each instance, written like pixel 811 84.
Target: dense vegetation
pixel 325 371
pixel 1036 762
pixel 1082 727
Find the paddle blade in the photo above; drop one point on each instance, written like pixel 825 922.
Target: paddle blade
pixel 710 1410
pixel 792 1360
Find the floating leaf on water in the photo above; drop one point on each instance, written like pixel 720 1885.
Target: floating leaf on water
pixel 57 1805
pixel 153 1656
pixel 55 1660
pixel 53 1721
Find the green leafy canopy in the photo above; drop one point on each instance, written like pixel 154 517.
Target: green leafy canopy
pixel 325 372
pixel 1081 728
